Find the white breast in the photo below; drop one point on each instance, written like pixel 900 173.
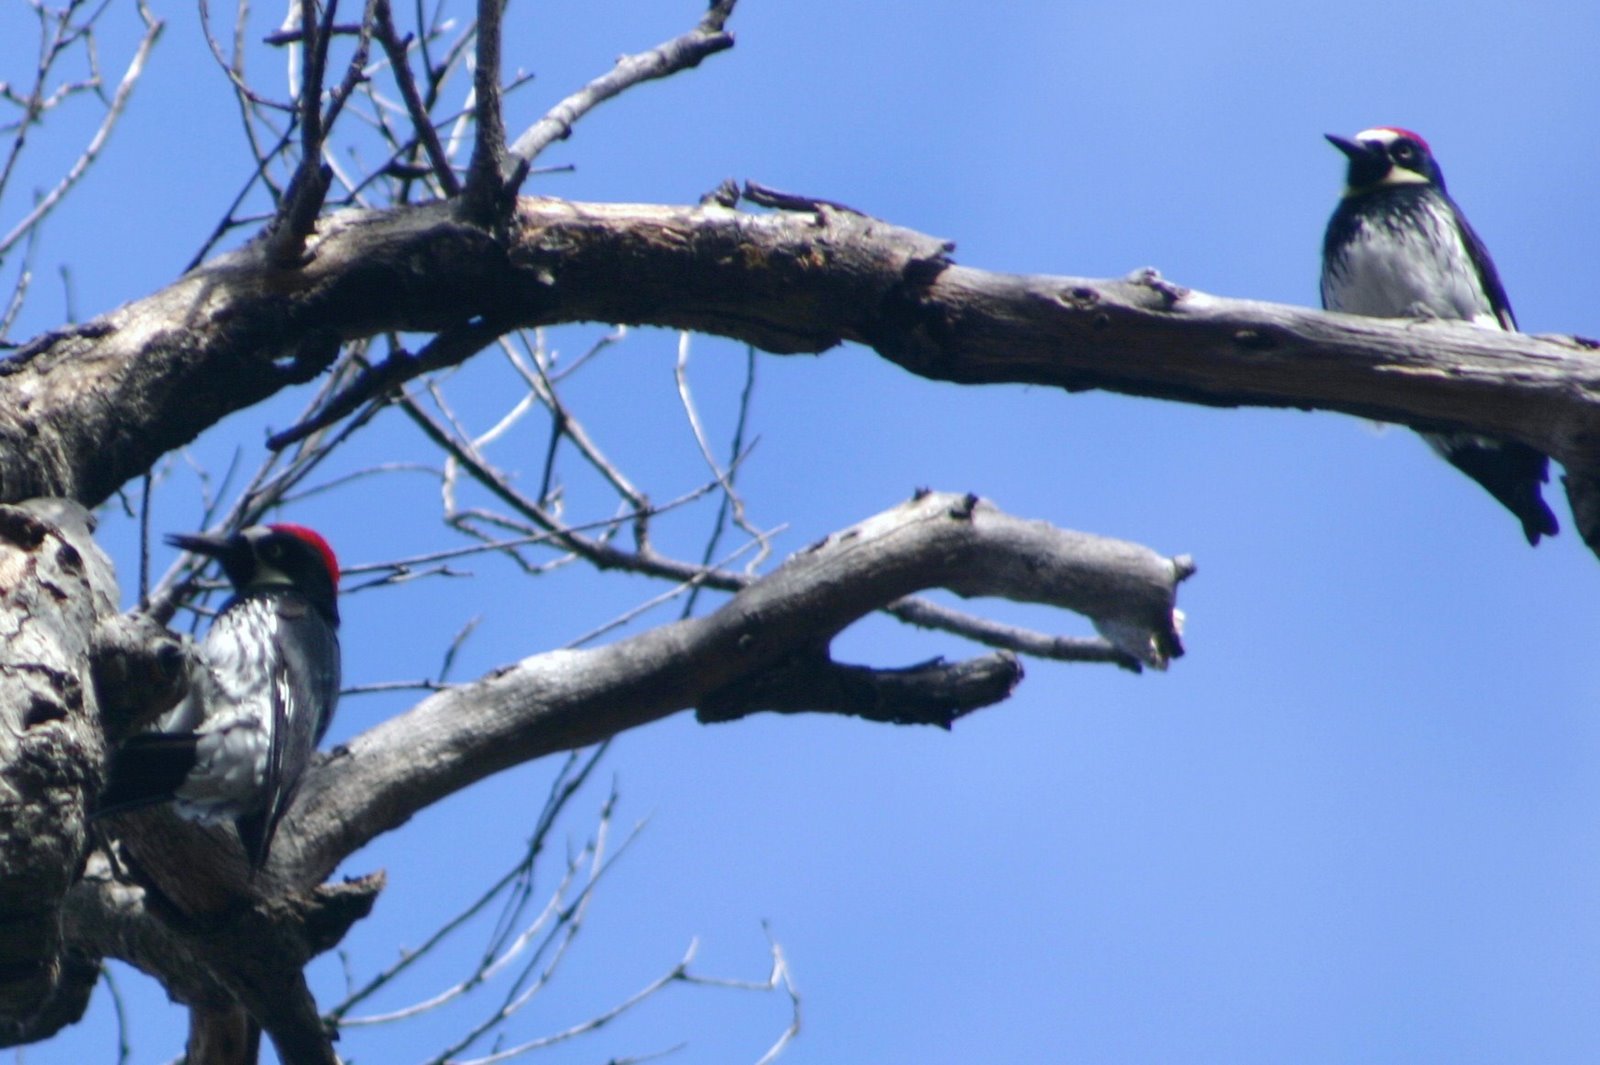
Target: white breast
pixel 233 705
pixel 1406 271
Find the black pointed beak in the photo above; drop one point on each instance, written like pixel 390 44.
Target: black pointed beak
pixel 210 546
pixel 1354 150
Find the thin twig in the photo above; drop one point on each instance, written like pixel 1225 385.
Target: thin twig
pixel 119 102
pixel 378 381
pixel 604 556
pixel 56 34
pixel 114 988
pixel 233 68
pixel 736 452
pixel 19 292
pixel 594 1023
pixel 543 387
pixel 382 686
pixel 381 469
pixel 460 640
pixel 691 585
pixel 572 775
pixel 229 220
pixel 400 64
pixel 730 497
pixel 780 975
pixel 486 172
pixel 616 336
pixel 680 53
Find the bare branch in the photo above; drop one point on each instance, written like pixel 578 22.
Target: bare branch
pixel 234 68
pixel 91 152
pixel 486 186
pixel 929 615
pixel 780 976
pixel 680 53
pixel 932 693
pixel 736 451
pixel 691 577
pixel 566 699
pixel 19 291
pixel 450 348
pixel 709 573
pixel 565 425
pixel 573 774
pixel 786 282
pixel 732 503
pixel 421 122
pixel 298 211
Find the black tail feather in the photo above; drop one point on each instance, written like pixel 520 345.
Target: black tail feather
pixel 1512 473
pixel 256 832
pixel 147 769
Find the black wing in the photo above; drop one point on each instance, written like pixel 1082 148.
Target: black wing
pixel 1499 302
pixel 305 687
pixel 148 768
pixel 257 829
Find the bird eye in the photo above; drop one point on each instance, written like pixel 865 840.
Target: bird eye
pixel 272 550
pixel 1405 151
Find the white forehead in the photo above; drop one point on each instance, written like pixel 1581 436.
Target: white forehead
pixel 1381 134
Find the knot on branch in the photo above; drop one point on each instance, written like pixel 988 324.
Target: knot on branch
pixel 1150 279
pixel 329 911
pixel 266 943
pixel 284 243
pixel 1583 494
pixel 260 952
pixel 140 671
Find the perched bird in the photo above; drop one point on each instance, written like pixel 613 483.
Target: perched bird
pixel 1397 246
pixel 237 744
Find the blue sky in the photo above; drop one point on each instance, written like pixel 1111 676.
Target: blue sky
pixel 1359 821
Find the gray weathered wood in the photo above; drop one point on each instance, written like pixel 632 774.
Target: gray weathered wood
pixel 566 699
pixel 85 409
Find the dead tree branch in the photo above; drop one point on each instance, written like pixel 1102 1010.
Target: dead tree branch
pixel 236 330
pixel 239 940
pixel 566 699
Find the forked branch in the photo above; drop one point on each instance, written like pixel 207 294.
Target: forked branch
pixel 746 655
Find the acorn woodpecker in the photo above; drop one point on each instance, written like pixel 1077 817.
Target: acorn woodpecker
pixel 1397 246
pixel 237 744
